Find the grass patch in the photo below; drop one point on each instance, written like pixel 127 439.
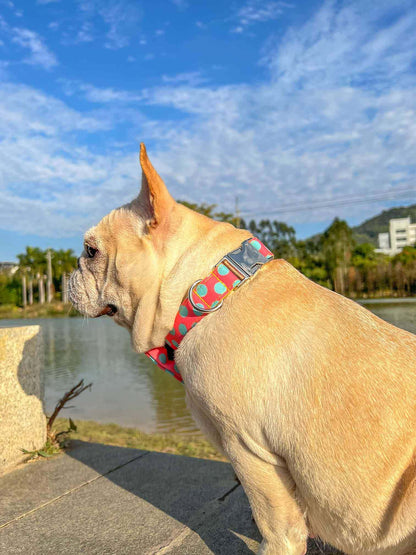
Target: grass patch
pixel 48 450
pixel 47 310
pixel 113 434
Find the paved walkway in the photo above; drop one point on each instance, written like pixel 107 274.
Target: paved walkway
pixel 99 499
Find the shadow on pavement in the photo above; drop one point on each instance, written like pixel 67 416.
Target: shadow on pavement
pixel 201 494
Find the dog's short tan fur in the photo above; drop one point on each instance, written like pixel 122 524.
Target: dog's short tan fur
pixel 311 397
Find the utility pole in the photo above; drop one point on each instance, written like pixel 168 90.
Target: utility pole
pixel 49 280
pixel 30 290
pixel 64 287
pixel 237 213
pixel 30 285
pixel 24 292
pixel 41 287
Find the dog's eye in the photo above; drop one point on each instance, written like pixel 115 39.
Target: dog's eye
pixel 91 252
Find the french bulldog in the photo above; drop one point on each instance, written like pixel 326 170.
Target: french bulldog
pixel 310 396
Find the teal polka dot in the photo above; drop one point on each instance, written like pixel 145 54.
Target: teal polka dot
pixel 194 324
pixel 214 304
pixel 237 281
pixel 168 342
pixel 175 343
pixel 162 358
pixel 269 256
pixel 223 270
pixel 197 312
pixel 183 311
pixel 172 331
pixel 182 329
pixel 220 288
pixel 202 290
pixel 256 245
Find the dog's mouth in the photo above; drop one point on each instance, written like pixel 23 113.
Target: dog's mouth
pixel 109 310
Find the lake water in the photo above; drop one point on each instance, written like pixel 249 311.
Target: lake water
pixel 128 388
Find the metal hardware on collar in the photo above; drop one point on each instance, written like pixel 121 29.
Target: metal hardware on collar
pixel 244 261
pixel 233 269
pixel 204 310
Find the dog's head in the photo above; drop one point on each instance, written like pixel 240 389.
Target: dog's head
pixel 129 256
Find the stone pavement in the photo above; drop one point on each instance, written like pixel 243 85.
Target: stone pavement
pixel 100 499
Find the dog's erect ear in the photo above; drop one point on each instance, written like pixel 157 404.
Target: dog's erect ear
pixel 154 194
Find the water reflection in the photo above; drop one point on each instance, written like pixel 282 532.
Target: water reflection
pixel 128 388
pixel 402 315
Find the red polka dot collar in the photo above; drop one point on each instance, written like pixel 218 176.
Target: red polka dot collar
pixel 206 296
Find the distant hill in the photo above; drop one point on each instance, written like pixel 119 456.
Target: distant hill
pixel 368 231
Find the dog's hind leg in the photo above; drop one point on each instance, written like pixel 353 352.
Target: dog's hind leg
pixel 270 489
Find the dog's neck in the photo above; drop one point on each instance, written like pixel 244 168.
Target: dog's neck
pixel 183 266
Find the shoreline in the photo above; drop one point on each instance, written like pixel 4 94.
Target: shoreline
pixel 386 300
pixel 66 310
pixel 123 436
pixel 56 309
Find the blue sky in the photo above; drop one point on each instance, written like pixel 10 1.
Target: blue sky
pixel 291 106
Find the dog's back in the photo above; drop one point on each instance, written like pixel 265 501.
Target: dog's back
pixel 334 396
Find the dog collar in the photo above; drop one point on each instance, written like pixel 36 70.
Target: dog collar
pixel 207 295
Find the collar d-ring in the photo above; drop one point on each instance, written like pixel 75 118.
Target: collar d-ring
pixel 201 308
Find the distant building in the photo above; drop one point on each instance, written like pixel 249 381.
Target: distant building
pixel 402 233
pixel 384 242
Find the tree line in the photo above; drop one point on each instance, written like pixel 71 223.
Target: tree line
pixel 34 281
pixel 333 259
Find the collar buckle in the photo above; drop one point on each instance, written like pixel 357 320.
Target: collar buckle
pixel 244 261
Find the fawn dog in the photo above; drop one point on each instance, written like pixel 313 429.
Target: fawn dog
pixel 310 396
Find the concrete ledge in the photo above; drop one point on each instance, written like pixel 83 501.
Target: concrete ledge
pixel 22 421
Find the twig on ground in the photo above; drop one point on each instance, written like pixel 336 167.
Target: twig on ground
pixel 56 441
pixel 69 395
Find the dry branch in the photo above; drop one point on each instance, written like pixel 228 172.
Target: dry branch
pixel 69 395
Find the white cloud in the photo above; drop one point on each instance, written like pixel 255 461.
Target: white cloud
pixel 85 33
pixel 349 45
pixel 259 11
pixel 49 185
pixel 39 52
pixel 122 19
pixel 26 111
pixel 192 78
pixel 26 38
pixel 99 95
pixel 336 116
